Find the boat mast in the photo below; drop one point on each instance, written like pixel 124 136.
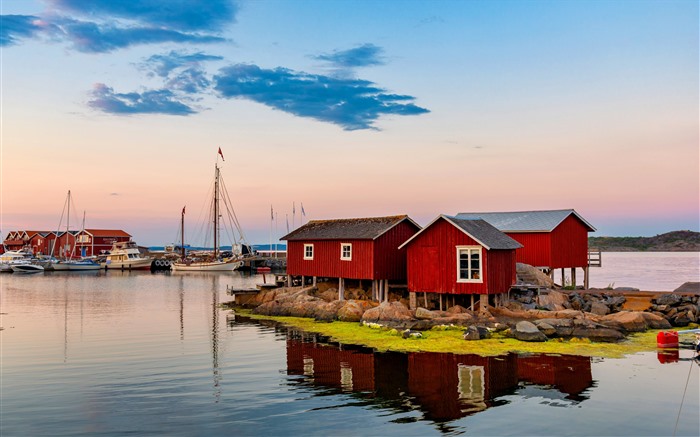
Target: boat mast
pixel 182 237
pixel 65 255
pixel 216 210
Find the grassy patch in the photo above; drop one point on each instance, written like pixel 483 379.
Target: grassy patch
pixel 450 340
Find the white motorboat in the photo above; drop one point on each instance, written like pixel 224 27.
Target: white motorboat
pixel 82 265
pixel 11 257
pixel 25 267
pixel 125 255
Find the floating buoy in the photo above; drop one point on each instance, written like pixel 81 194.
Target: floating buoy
pixel 666 339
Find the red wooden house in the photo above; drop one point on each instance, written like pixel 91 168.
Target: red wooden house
pixel 359 248
pixel 90 242
pixel 551 239
pixel 460 257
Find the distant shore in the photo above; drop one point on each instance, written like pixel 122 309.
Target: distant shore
pixel 676 241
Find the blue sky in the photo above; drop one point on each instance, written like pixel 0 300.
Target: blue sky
pixel 354 108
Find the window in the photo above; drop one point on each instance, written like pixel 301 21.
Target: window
pixel 346 251
pixel 469 264
pixel 308 251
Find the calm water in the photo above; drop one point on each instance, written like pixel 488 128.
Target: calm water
pixel 650 271
pixel 151 354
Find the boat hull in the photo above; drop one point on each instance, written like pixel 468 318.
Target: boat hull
pixel 27 268
pixel 135 264
pixel 213 266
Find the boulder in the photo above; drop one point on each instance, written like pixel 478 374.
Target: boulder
pixel 388 312
pixel 655 321
pixel 471 333
pixel 670 299
pixel 352 310
pixel 546 328
pixel 552 300
pixel 599 308
pixel 629 321
pixel 528 274
pixel 424 314
pixel 598 334
pixel 457 309
pixel 527 331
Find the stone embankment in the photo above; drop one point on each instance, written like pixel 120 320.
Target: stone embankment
pixel 599 315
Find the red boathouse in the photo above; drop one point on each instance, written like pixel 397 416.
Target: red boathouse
pixel 358 248
pixel 553 239
pixel 452 256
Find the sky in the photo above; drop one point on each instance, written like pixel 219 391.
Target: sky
pixel 349 108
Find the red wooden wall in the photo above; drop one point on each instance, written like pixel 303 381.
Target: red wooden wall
pixel 432 263
pixel 371 259
pixel 565 246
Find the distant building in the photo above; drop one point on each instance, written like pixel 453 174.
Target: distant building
pixel 458 257
pixel 357 248
pixel 73 243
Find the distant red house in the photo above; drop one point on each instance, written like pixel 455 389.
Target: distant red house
pixel 91 242
pixel 359 248
pixel 460 257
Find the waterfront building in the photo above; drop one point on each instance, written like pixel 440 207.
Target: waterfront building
pixel 356 248
pixel 551 239
pixel 459 257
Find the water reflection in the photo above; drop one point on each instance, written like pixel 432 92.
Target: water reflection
pixel 444 387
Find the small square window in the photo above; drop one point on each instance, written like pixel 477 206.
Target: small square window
pixel 346 251
pixel 308 251
pixel 469 264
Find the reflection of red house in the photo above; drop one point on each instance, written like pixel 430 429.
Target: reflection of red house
pixel 361 248
pixel 453 256
pixel 331 367
pixel 570 374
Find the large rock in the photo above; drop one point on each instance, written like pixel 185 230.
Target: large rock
pixel 352 310
pixel 552 300
pixel 527 274
pixel 598 334
pixel 630 321
pixel 423 314
pixel 599 308
pixel 654 321
pixel 668 299
pixel 388 312
pixel 527 331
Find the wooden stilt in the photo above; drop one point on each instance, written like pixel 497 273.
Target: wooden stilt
pixel 573 277
pixel 314 281
pixel 562 277
pixel 289 280
pixel 440 302
pixel 341 289
pixel 374 289
pixel 412 300
pixel 386 290
pixel 471 306
pixel 303 280
pixel 425 300
pixel 585 278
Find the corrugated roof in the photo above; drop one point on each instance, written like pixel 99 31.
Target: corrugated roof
pixel 479 230
pixel 525 221
pixel 367 228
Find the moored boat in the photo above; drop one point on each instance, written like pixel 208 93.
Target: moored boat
pixel 125 255
pixel 26 267
pixel 11 257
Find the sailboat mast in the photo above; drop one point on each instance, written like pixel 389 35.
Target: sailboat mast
pixel 65 254
pixel 182 237
pixel 216 211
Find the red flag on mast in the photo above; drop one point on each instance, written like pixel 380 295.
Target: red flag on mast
pixel 183 209
pixel 222 154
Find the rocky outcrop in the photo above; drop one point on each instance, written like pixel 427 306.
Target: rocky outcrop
pixel 527 331
pixel 529 275
pixel 388 313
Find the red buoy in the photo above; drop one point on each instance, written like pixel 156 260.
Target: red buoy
pixel 667 339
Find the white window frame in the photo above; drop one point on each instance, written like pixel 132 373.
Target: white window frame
pixel 343 257
pixel 309 246
pixel 471 249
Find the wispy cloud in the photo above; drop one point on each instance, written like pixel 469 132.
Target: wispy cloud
pixel 366 55
pixel 16 27
pixel 351 103
pixel 163 65
pixel 148 102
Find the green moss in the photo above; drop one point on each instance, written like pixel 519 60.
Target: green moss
pixel 449 339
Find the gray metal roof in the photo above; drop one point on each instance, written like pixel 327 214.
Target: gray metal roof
pixel 367 228
pixel 479 230
pixel 525 221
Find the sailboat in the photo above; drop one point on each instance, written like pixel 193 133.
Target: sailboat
pixel 215 262
pixel 68 263
pixel 62 265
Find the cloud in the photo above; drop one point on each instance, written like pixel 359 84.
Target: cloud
pixel 102 26
pixel 366 55
pixel 91 37
pixel 187 15
pixel 351 103
pixel 15 27
pixel 163 65
pixel 149 102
